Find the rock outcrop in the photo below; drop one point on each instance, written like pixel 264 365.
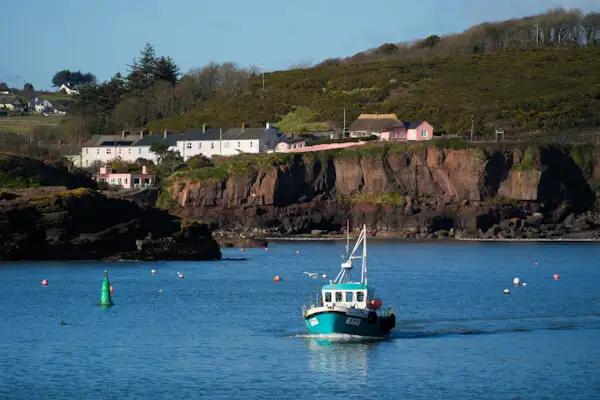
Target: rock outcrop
pixel 422 192
pixel 59 224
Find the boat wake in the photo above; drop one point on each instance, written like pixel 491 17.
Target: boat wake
pixel 441 329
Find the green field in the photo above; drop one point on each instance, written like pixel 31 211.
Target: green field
pixel 27 123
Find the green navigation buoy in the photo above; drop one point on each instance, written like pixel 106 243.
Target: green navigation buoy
pixel 105 299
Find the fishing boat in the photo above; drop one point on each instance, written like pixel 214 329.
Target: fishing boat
pixel 347 307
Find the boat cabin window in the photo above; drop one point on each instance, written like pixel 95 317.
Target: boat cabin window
pixel 328 297
pixel 338 297
pixel 360 296
pixel 349 297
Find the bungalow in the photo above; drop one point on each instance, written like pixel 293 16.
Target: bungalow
pixel 228 142
pixel 12 104
pixel 290 144
pixel 389 128
pixel 125 180
pixel 68 90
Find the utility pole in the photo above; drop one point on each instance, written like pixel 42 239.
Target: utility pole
pixel 537 31
pixel 344 131
pixel 472 125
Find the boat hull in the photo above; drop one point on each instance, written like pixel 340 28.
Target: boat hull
pixel 339 322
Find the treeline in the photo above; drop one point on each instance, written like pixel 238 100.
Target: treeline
pixel 555 28
pixel 152 89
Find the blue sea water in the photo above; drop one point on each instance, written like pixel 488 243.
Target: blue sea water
pixel 227 331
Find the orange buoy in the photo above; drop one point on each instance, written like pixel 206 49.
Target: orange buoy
pixel 276 278
pixel 112 289
pixel 556 276
pixel 45 282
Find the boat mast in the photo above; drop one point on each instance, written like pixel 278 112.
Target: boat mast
pixel 347 237
pixel 364 256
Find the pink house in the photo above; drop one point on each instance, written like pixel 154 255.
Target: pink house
pixel 418 130
pixel 125 180
pixel 389 128
pixel 287 145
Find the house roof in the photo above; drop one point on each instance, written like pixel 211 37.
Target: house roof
pixel 148 140
pixel 9 99
pixel 245 134
pixel 198 134
pixel 412 124
pixel 109 140
pixel 295 140
pixel 227 134
pixel 375 122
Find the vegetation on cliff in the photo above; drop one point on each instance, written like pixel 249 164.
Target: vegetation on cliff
pixel 22 172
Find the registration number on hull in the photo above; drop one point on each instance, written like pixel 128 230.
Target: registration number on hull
pixel 313 322
pixel 353 321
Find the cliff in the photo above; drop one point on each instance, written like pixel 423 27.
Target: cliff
pixel 54 223
pixel 438 189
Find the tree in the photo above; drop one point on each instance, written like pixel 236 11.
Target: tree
pixel 28 87
pixel 3 86
pixel 70 78
pixel 159 148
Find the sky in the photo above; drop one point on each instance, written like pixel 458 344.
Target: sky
pixel 104 36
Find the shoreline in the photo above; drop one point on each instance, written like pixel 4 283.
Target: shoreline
pixel 446 239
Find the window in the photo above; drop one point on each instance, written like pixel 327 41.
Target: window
pixel 188 146
pixel 424 133
pixel 338 297
pixel 86 151
pixel 140 150
pixel 200 145
pixel 239 144
pixel 328 297
pixel 212 145
pixel 129 151
pixel 401 135
pixel 360 296
pixel 251 143
pixel 349 297
pixel 97 151
pixel 125 181
pixel 119 151
pixel 108 151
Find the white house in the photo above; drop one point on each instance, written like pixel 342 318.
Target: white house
pixel 228 142
pixel 41 106
pixel 66 89
pixel 129 148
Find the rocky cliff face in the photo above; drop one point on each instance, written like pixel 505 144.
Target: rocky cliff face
pixel 411 193
pixel 58 224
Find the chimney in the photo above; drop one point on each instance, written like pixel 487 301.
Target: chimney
pixel 124 134
pixel 166 133
pixel 102 170
pixel 142 133
pixel 204 128
pixel 243 125
pixel 268 125
pixel 144 169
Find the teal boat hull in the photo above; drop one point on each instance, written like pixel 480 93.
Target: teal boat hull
pixel 335 322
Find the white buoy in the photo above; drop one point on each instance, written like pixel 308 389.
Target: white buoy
pixel 153 272
pixel 180 276
pixel 324 276
pixel 516 281
pixel 524 284
pixel 506 291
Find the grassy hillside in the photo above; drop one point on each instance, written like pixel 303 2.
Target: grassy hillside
pixel 518 90
pixel 27 124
